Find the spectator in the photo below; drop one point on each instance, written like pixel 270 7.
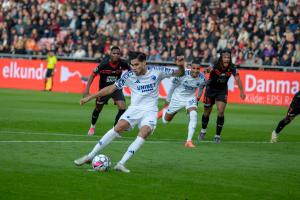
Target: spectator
pixel 168 25
pixel 296 56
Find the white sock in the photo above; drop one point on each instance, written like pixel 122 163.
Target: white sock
pixel 163 116
pixel 93 126
pixel 105 140
pixel 192 124
pixel 203 130
pixel 134 146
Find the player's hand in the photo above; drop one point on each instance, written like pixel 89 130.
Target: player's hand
pixel 84 100
pixel 242 95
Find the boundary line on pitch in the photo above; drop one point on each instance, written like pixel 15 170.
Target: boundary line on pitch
pixel 148 141
pixel 127 139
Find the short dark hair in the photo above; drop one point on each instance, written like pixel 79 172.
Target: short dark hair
pixel 115 47
pixel 137 55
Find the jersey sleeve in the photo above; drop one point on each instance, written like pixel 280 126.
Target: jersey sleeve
pixel 164 71
pixel 97 69
pixel 235 71
pixel 124 80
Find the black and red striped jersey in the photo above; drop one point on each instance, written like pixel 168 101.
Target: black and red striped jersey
pixel 219 76
pixel 110 72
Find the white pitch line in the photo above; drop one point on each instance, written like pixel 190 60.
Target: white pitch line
pixel 127 139
pixel 149 141
pixel 73 135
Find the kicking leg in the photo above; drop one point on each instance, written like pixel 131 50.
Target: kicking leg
pixel 110 135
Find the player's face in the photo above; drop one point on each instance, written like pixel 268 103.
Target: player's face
pixel 226 59
pixel 195 70
pixel 115 55
pixel 138 67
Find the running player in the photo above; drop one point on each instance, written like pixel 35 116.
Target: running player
pixel 293 111
pixel 109 70
pixel 144 83
pixel 217 91
pixel 182 95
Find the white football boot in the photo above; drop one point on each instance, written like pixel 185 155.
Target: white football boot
pixel 121 168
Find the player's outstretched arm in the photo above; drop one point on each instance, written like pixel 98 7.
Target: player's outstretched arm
pixel 180 63
pixel 103 92
pixel 240 85
pixel 88 85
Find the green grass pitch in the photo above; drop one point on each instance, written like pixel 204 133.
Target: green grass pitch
pixel 42 133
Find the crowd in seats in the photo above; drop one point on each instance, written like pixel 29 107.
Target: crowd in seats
pixel 259 32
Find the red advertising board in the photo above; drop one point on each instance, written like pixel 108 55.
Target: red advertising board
pixel 261 87
pixel 265 87
pixel 29 74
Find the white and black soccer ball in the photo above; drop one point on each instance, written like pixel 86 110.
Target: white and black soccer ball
pixel 101 163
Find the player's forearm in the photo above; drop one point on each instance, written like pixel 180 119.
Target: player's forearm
pixel 240 85
pixel 104 92
pixel 89 83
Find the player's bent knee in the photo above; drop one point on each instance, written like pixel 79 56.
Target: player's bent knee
pixel 145 131
pixel 122 126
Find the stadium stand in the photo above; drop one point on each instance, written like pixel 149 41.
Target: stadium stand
pixel 258 32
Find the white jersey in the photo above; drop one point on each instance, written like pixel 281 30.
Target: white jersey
pixel 144 88
pixel 186 86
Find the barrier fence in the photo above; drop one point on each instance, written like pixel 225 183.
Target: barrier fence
pixel 261 87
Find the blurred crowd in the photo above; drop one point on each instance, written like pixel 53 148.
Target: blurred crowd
pixel 259 32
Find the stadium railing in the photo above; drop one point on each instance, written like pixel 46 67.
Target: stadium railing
pixel 68 58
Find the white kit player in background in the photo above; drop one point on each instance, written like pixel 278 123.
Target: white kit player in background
pixel 144 84
pixel 182 95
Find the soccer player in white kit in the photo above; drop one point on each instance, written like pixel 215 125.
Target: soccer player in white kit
pixel 144 84
pixel 182 95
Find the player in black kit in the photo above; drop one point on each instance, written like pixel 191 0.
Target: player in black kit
pixel 293 111
pixel 217 91
pixel 109 70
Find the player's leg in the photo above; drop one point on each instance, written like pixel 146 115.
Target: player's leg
pixel 119 99
pixel 208 104
pixel 161 112
pixel 291 114
pixel 47 77
pixel 147 124
pixel 107 138
pixel 220 119
pixel 97 110
pixel 192 112
pixel 171 110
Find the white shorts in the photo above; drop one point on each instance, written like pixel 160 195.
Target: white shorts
pixel 140 117
pixel 176 105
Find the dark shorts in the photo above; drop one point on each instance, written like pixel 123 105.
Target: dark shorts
pixel 116 95
pixel 294 108
pixel 49 73
pixel 213 95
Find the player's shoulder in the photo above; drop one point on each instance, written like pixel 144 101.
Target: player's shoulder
pixel 128 74
pixel 159 68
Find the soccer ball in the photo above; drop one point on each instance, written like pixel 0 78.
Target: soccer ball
pixel 101 163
